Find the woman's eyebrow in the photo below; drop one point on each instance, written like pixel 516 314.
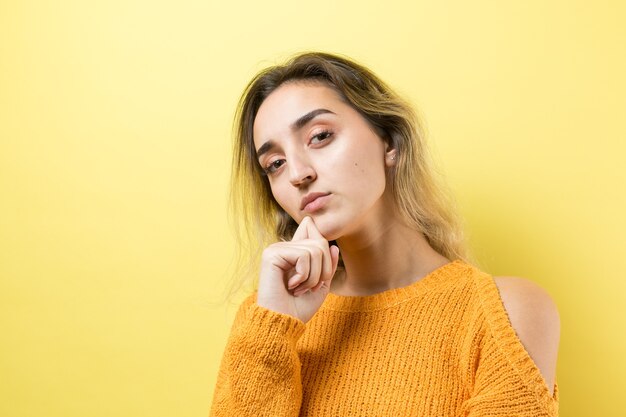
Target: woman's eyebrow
pixel 303 120
pixel 297 125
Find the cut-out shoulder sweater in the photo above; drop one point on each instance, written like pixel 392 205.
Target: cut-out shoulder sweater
pixel 442 346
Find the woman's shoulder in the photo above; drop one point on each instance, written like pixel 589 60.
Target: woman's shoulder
pixel 527 304
pixel 535 318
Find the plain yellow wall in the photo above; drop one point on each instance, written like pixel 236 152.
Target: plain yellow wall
pixel 114 161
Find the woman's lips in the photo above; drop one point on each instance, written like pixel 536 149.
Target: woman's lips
pixel 317 203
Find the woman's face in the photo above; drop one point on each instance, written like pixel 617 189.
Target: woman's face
pixel 310 141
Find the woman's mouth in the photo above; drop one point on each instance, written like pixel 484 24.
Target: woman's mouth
pixel 314 202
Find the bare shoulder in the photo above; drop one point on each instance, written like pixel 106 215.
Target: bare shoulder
pixel 535 318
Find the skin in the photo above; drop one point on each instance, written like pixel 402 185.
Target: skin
pixel 378 250
pixel 535 318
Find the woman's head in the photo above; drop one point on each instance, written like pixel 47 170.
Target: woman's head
pixel 309 141
pixel 410 180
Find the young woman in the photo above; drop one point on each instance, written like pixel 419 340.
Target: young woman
pixel 367 301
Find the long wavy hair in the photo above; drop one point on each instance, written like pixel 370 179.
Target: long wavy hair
pixel 422 197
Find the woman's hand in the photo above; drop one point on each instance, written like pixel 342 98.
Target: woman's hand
pixel 295 276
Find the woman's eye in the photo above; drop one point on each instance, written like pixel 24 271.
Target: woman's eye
pixel 273 166
pixel 322 136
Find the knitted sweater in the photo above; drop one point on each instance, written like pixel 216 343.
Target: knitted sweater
pixel 442 346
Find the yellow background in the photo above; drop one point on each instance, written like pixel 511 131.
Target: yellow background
pixel 115 122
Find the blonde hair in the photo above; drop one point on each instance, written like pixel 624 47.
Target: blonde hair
pixel 422 198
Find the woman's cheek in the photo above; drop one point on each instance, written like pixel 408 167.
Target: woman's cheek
pixel 281 199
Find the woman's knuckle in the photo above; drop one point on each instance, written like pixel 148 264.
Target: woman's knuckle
pixel 267 252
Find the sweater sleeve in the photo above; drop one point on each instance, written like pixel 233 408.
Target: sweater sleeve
pixel 505 379
pixel 259 373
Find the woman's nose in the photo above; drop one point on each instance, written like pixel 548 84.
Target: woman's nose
pixel 300 170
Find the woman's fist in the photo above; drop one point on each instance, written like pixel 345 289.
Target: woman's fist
pixel 296 275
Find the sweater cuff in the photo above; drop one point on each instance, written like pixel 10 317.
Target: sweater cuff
pixel 275 324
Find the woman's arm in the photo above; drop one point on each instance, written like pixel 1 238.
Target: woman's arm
pixel 514 369
pixel 535 318
pixel 260 371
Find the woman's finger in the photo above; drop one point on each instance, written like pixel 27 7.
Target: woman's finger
pixel 314 233
pixel 320 257
pixel 334 254
pixel 303 264
pixel 289 257
pixel 312 230
pixel 330 264
pixel 315 270
pixel 302 230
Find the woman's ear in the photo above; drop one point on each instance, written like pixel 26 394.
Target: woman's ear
pixel 391 156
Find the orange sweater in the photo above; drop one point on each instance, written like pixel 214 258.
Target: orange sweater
pixel 442 346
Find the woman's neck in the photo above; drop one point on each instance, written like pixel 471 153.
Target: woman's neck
pixel 383 256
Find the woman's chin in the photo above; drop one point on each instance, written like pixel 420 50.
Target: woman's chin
pixel 331 230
